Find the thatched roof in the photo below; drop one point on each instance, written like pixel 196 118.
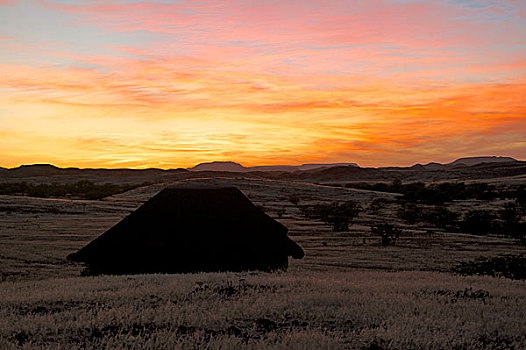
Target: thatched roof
pixel 192 229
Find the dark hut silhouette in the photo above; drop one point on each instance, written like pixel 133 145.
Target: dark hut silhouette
pixel 189 230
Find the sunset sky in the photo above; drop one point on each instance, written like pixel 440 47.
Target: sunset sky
pixel 107 83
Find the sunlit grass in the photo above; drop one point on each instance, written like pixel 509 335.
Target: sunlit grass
pixel 393 310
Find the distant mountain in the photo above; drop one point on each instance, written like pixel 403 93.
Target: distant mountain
pixel 236 167
pixel 329 165
pixel 36 170
pixel 434 166
pixel 49 173
pixel 303 167
pixel 470 161
pixel 428 166
pixel 466 161
pixel 483 168
pixel 286 168
pixel 219 166
pixel 460 170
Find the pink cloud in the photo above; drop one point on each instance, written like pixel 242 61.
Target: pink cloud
pixel 319 79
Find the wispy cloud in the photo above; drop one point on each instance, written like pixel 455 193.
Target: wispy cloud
pixel 379 82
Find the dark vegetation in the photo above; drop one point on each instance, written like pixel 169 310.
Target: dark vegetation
pixel 510 266
pixel 438 193
pixel 389 234
pixel 77 190
pixel 504 222
pixel 377 204
pixel 428 204
pixel 422 204
pixel 338 215
pixel 294 199
pixel 440 217
pixel 479 222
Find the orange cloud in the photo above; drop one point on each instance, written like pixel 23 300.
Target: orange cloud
pixel 173 84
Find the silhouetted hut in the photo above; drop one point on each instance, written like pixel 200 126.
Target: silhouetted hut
pixel 189 230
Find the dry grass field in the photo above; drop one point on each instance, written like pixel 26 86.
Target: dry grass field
pixel 348 292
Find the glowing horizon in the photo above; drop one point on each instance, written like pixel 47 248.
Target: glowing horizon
pixel 168 84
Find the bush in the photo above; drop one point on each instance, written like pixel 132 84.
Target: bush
pixel 388 233
pixel 520 233
pixel 433 193
pixel 441 217
pixel 339 215
pixel 478 222
pixel 377 204
pixel 510 222
pixel 510 213
pixel 510 217
pixel 410 213
pixel 520 195
pixel 81 189
pixel 510 266
pixel 294 199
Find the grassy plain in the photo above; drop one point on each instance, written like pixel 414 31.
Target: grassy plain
pixel 348 292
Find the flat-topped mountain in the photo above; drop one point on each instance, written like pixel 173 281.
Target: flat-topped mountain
pixel 34 169
pixel 470 161
pixel 236 167
pixel 219 166
pixel 329 165
pixel 465 161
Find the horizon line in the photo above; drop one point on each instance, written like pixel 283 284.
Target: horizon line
pixel 247 167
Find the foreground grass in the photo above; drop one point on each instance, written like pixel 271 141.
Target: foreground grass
pixel 360 310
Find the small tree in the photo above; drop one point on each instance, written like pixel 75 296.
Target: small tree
pixel 410 213
pixel 478 222
pixel 441 217
pixel 396 185
pixel 294 199
pixel 521 198
pixel 388 233
pixel 511 224
pixel 339 215
pixel 377 204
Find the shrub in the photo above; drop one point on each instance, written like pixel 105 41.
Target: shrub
pixel 520 195
pixel 510 213
pixel 388 233
pixel 510 222
pixel 396 185
pixel 410 213
pixel 520 233
pixel 433 193
pixel 261 207
pixel 280 212
pixel 377 204
pixel 478 222
pixel 441 217
pixel 294 199
pixel 81 189
pixel 339 215
pixel 510 266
